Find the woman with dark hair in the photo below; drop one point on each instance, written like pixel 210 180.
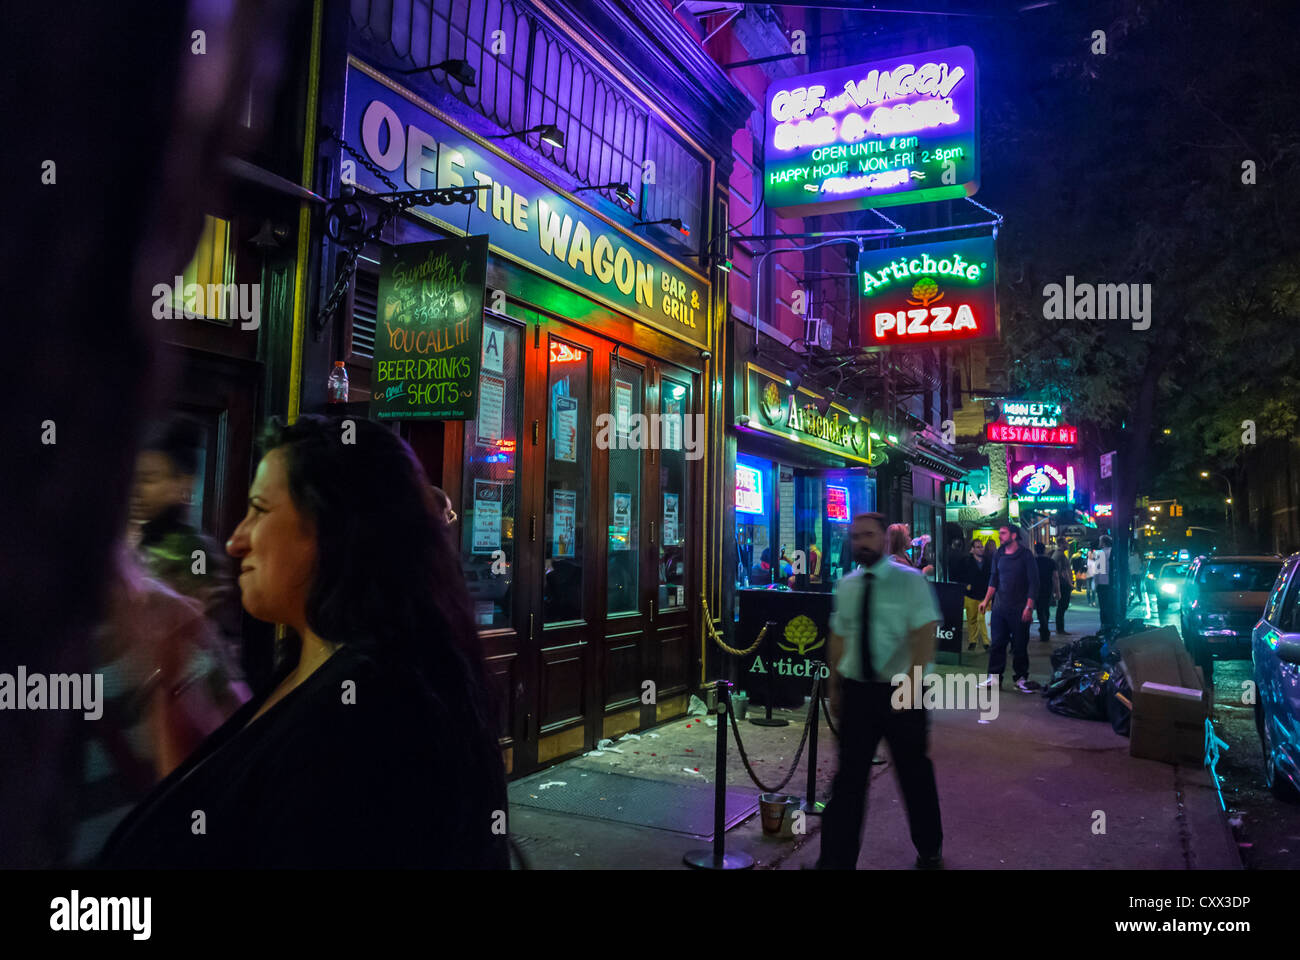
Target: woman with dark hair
pixel 375 745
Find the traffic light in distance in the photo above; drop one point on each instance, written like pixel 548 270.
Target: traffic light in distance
pixel 1189 531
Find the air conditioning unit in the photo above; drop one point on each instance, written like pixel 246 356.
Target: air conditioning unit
pixel 817 332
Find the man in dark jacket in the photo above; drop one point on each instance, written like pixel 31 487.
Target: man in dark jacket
pixel 1013 588
pixel 1048 591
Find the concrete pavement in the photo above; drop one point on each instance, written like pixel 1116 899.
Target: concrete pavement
pixel 1026 790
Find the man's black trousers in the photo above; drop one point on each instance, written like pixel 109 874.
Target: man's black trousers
pixel 866 716
pixel 1043 607
pixel 1061 606
pixel 1006 627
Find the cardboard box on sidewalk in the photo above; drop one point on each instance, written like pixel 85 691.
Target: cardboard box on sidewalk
pixel 1169 701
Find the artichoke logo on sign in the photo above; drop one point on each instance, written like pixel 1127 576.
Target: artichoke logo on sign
pixel 927 294
pixel 770 403
pixel 801 632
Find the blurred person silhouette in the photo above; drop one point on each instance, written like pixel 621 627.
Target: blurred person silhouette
pixel 1065 582
pixel 443 504
pixel 882 624
pixel 376 747
pixel 171 549
pixel 166 686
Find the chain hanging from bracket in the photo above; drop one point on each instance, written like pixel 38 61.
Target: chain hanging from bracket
pixel 345 220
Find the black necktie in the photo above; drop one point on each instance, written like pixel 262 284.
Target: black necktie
pixel 865 644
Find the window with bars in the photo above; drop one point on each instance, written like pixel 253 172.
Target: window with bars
pixel 528 74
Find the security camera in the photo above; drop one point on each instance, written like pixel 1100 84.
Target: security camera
pixel 705 354
pixel 742 420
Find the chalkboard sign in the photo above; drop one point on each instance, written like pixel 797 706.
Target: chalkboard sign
pixel 429 330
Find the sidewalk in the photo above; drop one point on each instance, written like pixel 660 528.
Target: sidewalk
pixel 1021 791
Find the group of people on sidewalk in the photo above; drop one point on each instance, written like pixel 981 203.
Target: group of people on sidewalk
pixel 1015 584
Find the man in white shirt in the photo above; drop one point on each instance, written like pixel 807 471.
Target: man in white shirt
pixel 894 610
pixel 1105 589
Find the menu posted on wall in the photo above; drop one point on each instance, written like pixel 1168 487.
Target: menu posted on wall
pixel 429 330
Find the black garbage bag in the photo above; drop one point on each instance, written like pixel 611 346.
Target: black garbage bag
pixel 1081 695
pixel 1130 627
pixel 1062 655
pixel 1119 700
pixel 1087 648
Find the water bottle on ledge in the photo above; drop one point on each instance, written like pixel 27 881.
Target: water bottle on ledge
pixel 336 388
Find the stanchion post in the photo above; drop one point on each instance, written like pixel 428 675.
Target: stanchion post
pixel 810 804
pixel 766 720
pixel 718 858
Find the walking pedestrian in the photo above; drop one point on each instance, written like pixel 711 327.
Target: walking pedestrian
pixel 378 746
pixel 882 625
pixel 975 576
pixel 168 545
pixel 1065 583
pixel 1048 591
pixel 1012 589
pixel 1105 589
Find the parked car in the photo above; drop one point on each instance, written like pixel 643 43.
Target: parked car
pixel 1169 583
pixel 1275 650
pixel 1223 598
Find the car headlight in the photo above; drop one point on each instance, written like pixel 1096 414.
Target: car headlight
pixel 1168 588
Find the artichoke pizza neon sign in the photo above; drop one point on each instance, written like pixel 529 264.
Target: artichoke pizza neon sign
pixel 928 293
pixel 903 130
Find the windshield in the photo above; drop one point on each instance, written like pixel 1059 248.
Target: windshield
pixel 1171 571
pixel 1246 577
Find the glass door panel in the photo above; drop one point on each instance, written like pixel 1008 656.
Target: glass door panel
pixel 675 434
pixel 490 482
pixel 569 411
pixel 625 444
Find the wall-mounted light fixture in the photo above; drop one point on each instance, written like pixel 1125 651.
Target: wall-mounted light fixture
pixel 458 70
pixel 622 192
pixel 671 221
pixel 551 135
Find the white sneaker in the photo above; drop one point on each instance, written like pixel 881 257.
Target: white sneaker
pixel 992 680
pixel 1023 685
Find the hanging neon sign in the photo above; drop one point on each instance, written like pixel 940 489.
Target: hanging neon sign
pixel 928 293
pixel 903 130
pixel 1031 423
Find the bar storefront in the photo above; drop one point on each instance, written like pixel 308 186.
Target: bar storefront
pixel 575 455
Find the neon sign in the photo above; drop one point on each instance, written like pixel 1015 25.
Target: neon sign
pixel 1043 484
pixel 563 353
pixel 1022 413
pixel 903 130
pixel 837 504
pixel 1102 509
pixel 937 292
pixel 1062 436
pixel 749 490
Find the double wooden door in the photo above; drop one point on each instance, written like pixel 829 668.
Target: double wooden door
pixel 605 542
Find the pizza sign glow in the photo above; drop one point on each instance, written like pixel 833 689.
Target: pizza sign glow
pixel 928 293
pixel 749 490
